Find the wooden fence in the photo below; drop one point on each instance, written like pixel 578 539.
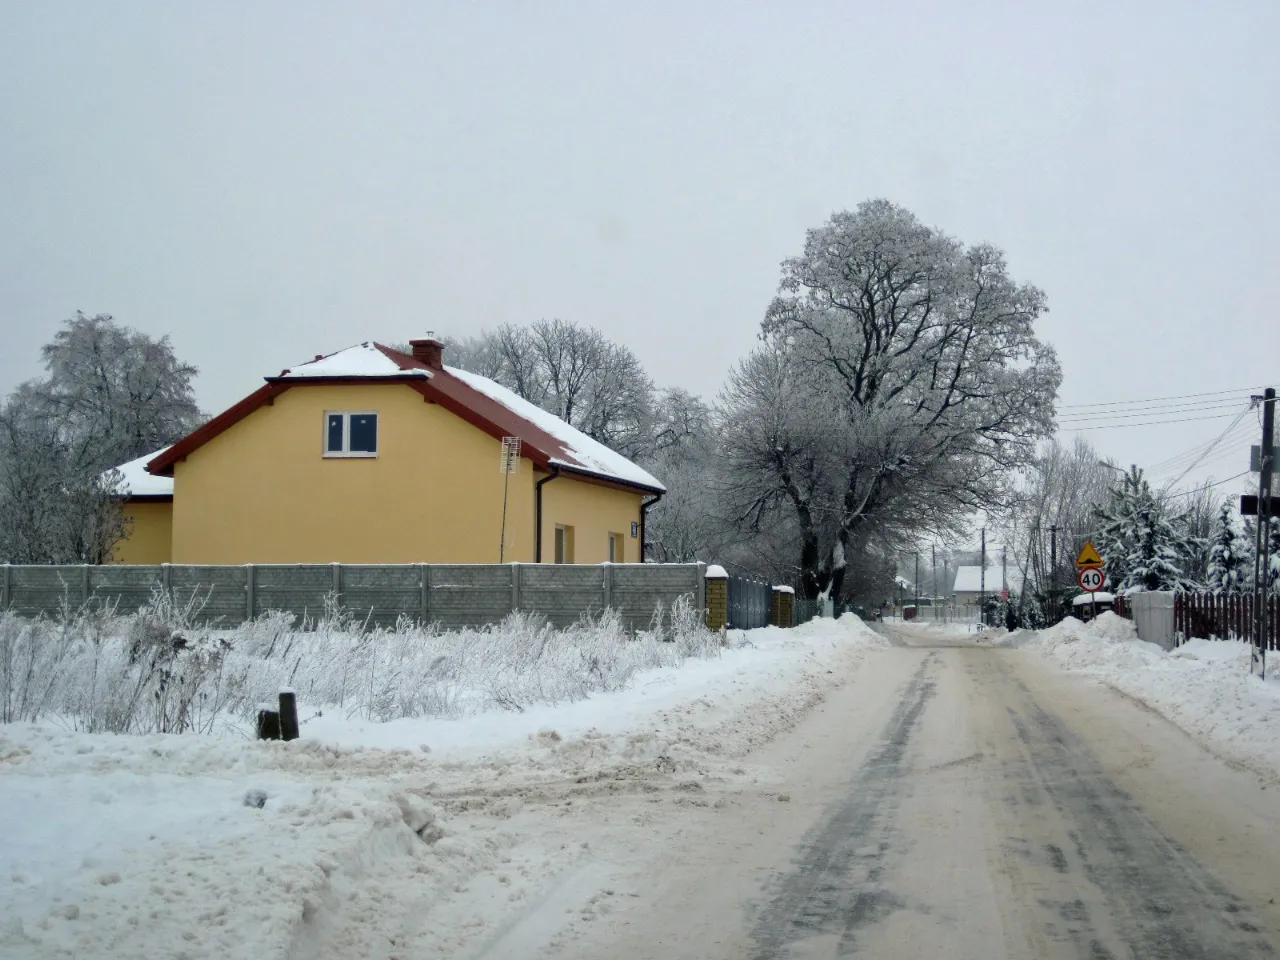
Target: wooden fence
pixel 1227 616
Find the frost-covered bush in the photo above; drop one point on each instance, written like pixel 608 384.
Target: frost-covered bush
pixel 163 670
pixel 156 671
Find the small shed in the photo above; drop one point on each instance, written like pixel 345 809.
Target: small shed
pixel 1089 605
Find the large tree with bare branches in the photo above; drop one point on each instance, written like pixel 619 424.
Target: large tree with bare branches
pixel 899 387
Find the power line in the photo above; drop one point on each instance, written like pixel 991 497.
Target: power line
pixel 1239 432
pixel 1155 411
pixel 1149 423
pixel 1209 449
pixel 1185 396
pixel 1217 483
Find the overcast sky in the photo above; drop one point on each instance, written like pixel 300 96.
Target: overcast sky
pixel 268 181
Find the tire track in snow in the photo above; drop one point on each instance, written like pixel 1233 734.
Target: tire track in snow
pixel 836 885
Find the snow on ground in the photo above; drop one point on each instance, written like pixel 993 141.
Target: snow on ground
pixel 1204 686
pixel 197 846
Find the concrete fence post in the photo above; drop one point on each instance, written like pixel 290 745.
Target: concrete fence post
pixel 85 589
pixel 515 586
pixel 5 588
pixel 250 588
pixel 717 587
pixel 607 577
pixel 424 607
pixel 166 581
pixel 337 578
pixel 700 587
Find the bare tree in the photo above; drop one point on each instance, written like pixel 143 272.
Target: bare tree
pixel 1055 506
pixel 572 371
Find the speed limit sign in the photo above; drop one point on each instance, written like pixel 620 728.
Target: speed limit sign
pixel 1092 579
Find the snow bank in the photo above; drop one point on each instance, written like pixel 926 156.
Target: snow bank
pixel 113 847
pixel 1204 687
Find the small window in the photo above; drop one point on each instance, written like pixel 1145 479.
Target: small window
pixel 350 434
pixel 615 548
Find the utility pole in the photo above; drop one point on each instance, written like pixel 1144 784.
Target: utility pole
pixel 933 580
pixel 1262 589
pixel 1004 578
pixel 916 585
pixel 946 586
pixel 982 582
pixel 1053 572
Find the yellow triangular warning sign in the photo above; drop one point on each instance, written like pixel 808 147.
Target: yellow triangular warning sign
pixel 1089 557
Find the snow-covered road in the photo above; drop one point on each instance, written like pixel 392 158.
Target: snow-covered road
pixel 809 793
pixel 955 799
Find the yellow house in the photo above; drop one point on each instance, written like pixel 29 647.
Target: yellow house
pixel 371 455
pixel 148 514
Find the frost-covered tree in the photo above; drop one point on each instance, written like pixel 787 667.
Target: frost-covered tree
pixel 1143 547
pixel 573 371
pixel 110 395
pixel 687 524
pixel 914 386
pixel 1055 504
pixel 1230 559
pixel 1271 577
pixel 118 392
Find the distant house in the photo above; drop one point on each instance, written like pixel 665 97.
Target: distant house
pixel 969 582
pixel 372 455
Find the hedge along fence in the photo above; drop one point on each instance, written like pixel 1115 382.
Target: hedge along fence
pixel 452 595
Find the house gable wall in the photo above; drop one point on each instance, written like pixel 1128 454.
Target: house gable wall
pixel 149 537
pixel 263 492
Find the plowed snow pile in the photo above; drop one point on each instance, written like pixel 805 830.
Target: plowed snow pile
pixel 203 846
pixel 1203 686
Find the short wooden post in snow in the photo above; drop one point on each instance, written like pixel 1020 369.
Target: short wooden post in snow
pixel 268 724
pixel 288 714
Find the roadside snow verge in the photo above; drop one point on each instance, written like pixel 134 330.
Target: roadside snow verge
pixel 198 846
pixel 1204 686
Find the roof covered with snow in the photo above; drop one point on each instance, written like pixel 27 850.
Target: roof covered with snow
pixel 139 483
pixel 969 579
pixel 584 452
pixel 362 360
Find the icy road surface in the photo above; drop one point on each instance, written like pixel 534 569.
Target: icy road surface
pixel 955 799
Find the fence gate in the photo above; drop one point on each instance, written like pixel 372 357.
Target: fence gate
pixel 750 603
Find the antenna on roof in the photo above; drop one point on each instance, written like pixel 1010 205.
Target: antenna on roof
pixel 508 464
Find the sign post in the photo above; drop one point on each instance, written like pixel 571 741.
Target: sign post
pixel 1092 579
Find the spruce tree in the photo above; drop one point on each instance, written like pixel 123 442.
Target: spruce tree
pixel 1230 559
pixel 1142 547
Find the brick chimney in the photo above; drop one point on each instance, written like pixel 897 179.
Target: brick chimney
pixel 429 350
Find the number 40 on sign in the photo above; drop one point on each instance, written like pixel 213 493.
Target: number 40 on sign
pixel 1092 579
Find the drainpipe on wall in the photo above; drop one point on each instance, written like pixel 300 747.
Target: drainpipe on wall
pixel 644 515
pixel 537 512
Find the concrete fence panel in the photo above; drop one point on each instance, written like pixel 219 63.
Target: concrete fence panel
pixel 452 595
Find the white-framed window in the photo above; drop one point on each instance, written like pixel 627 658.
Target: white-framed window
pixel 350 434
pixel 616 551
